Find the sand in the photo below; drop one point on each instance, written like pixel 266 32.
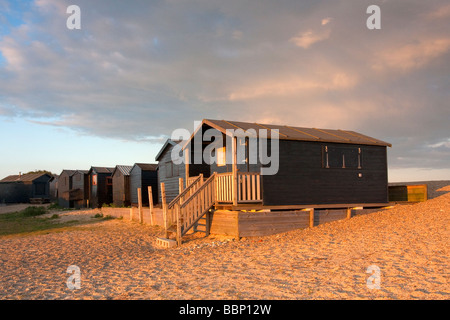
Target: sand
pixel 119 259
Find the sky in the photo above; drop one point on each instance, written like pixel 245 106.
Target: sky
pixel 111 92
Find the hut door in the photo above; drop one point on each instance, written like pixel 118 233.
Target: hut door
pixel 243 154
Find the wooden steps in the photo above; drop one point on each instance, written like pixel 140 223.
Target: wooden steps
pixel 202 225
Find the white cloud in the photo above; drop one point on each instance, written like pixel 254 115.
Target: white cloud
pixel 442 12
pixel 412 55
pixel 294 86
pixel 308 38
pixel 444 143
pixel 326 21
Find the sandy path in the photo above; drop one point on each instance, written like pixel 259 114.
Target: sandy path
pixel 118 260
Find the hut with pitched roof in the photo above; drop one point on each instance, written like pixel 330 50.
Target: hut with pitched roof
pixel 32 187
pixel 143 175
pixel 248 178
pixel 100 186
pixel 64 188
pixel 121 186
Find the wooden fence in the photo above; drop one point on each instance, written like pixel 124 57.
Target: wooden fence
pixel 249 187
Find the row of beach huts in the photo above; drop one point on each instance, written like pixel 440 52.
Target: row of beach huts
pixel 96 187
pixel 316 167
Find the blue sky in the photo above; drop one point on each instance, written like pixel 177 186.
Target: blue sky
pixel 33 146
pixel 111 92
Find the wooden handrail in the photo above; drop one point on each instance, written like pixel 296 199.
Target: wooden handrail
pixel 224 174
pixel 185 191
pixel 196 192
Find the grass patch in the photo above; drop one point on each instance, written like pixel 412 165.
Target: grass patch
pixel 18 222
pixel 29 221
pixel 102 217
pixel 55 206
pixel 33 211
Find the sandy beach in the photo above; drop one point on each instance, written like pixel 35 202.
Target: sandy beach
pixel 119 259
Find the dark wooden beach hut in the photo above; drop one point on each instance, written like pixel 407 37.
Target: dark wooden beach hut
pixel 73 189
pixel 100 186
pixel 64 187
pixel 316 166
pixel 121 186
pixel 168 172
pixel 314 169
pixel 33 187
pixel 53 187
pixel 80 189
pixel 143 175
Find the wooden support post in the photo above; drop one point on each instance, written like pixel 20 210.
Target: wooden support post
pixel 208 223
pixel 164 207
pixel 139 194
pixel 180 185
pixel 349 213
pixel 311 217
pixel 178 209
pixel 150 204
pixel 131 213
pixel 235 177
pixel 186 166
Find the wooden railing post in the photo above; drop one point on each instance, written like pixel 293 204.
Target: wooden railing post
pixel 187 159
pixel 311 217
pixel 150 204
pixel 349 213
pixel 180 185
pixel 164 207
pixel 139 194
pixel 235 177
pixel 178 211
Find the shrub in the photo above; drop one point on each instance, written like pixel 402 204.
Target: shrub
pixel 54 206
pixel 55 216
pixel 34 211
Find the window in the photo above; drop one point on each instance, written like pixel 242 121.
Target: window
pixel 109 181
pixel 342 157
pixel 94 180
pixel 221 157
